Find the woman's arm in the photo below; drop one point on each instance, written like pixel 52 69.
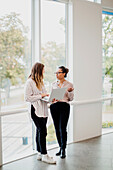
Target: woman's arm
pixel 70 92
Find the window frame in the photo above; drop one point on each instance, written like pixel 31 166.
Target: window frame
pixel 35 51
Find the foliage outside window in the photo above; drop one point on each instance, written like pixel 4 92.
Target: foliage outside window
pixel 107 53
pixel 15 63
pixel 107 40
pixel 15 57
pixel 53 47
pixel 13 42
pixel 53 42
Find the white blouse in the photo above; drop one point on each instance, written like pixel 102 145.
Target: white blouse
pixel 68 96
pixel 33 96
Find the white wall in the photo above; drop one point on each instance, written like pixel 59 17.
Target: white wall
pixel 107 3
pixel 87 68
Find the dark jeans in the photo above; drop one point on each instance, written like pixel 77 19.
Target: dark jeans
pixel 60 113
pixel 41 131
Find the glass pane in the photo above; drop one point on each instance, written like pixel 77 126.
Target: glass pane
pixel 16 136
pixel 51 136
pixel 107 39
pixel 53 47
pixel 15 51
pixel 52 37
pixel 107 117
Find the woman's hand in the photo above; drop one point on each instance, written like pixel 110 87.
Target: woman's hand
pixel 44 95
pixel 54 100
pixel 70 89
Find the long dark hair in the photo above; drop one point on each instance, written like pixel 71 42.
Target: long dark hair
pixel 37 75
pixel 64 70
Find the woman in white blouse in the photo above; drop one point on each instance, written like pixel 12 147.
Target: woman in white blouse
pixel 60 110
pixel 34 92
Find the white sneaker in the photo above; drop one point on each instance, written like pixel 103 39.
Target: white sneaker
pixel 39 156
pixel 46 158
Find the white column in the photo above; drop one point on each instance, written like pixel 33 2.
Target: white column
pixel 87 68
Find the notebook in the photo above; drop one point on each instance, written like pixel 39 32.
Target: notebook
pixel 58 94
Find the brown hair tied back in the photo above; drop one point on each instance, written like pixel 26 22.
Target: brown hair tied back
pixel 64 70
pixel 37 75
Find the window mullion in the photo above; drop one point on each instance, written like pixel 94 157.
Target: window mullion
pixel 36 30
pixel 66 33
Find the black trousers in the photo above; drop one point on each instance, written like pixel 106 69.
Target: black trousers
pixel 60 113
pixel 41 131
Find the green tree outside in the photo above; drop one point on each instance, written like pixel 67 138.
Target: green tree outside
pixel 108 46
pixel 53 55
pixel 13 42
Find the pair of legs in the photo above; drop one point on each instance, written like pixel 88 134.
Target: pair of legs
pixel 60 113
pixel 41 131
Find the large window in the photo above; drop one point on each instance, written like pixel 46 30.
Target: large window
pixel 16 136
pixel 107 39
pixel 15 63
pixel 18 132
pixel 53 37
pixel 15 51
pixel 53 46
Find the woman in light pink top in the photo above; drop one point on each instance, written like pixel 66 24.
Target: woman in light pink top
pixel 34 92
pixel 60 110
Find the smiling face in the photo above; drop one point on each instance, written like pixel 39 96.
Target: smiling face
pixel 59 74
